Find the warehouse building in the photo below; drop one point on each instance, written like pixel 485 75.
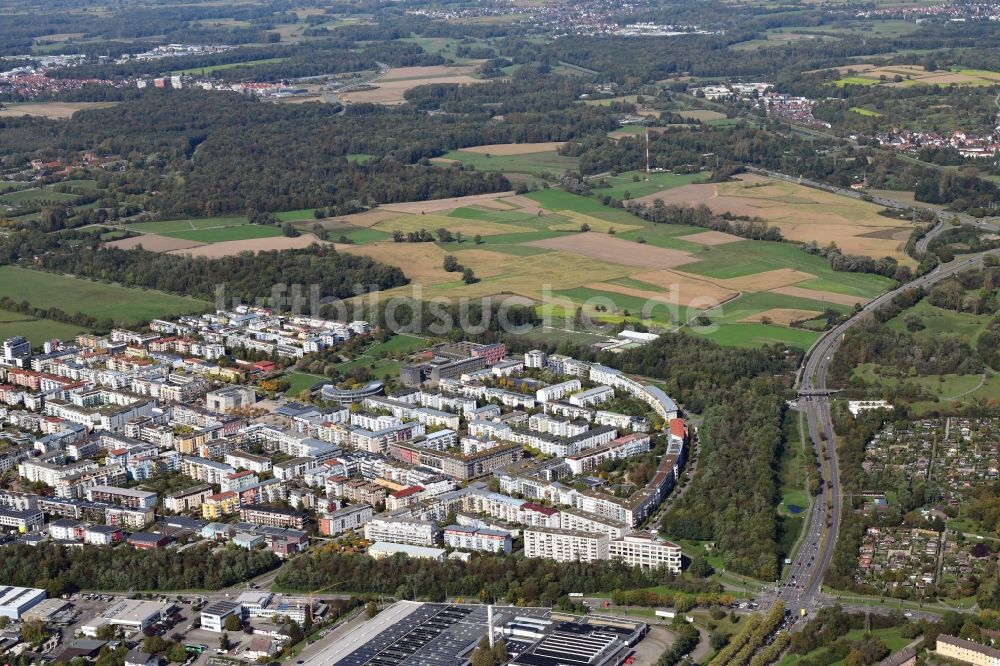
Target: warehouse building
pixel 14 601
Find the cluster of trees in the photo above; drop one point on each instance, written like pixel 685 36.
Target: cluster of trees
pixel 743 645
pixel 246 276
pixel 686 641
pixel 515 579
pixel 59 570
pixel 702 216
pixel 829 628
pixel 451 265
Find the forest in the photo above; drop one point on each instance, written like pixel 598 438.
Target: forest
pixel 59 570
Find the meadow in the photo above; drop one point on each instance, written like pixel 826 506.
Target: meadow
pixel 532 163
pixel 97 299
pixel 36 330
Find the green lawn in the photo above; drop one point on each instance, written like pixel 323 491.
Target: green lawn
pixel 529 163
pixel 758 335
pixel 892 638
pixel 358 158
pixel 378 357
pixel 97 299
pixel 36 330
pixel 301 381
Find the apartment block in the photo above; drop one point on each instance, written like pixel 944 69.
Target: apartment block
pixel 565 545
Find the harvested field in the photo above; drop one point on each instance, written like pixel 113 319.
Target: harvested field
pixel 436 205
pixel 53 110
pixel 369 218
pixel 514 148
pixel 609 248
pixel 230 248
pixel 421 262
pixel 700 115
pixel 392 87
pixel 829 296
pixel 683 292
pixel 712 238
pixel 802 213
pixel 153 243
pixel 766 281
pixel 595 224
pixel 780 316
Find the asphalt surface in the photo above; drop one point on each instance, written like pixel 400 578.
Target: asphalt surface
pixel 817 548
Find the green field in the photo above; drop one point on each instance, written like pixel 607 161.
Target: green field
pixel 36 330
pixel 861 111
pixel 892 638
pixel 379 358
pixel 44 196
pixel 651 184
pixel 230 65
pixel 531 163
pixel 96 299
pixel 855 81
pixel 222 234
pixel 167 226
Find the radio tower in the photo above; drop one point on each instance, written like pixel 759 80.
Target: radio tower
pixel 647 151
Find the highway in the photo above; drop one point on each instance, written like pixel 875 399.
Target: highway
pixel 801 588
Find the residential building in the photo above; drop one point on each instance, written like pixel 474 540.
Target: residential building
pixel 384 549
pixel 478 539
pixel 351 517
pixel 220 505
pixel 403 530
pixel 642 549
pixel 565 545
pixel 966 651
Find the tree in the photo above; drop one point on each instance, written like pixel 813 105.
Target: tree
pixel 319 231
pixel 478 240
pixel 584 227
pixel 451 264
pixel 289 230
pixel 718 640
pixel 371 609
pixel 177 654
pixel 224 641
pixel 319 213
pixel 469 277
pixel 233 623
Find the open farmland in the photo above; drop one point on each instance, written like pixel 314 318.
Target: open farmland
pixel 905 76
pixel 532 247
pixel 97 299
pixel 224 248
pixel 53 110
pixel 802 213
pixel 392 87
pixel 532 162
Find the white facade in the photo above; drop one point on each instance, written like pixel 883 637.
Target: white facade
pixel 565 545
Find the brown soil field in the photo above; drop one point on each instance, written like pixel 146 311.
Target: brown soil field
pixel 514 148
pixel 781 316
pixel 153 243
pixel 438 205
pixel 802 213
pixel 53 110
pixel 840 299
pixel 766 281
pixel 681 292
pixel 712 238
pixel 609 248
pixel 393 85
pixel 229 248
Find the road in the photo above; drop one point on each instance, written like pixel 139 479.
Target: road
pixel 801 589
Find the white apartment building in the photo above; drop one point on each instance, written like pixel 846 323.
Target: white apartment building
pixel 565 545
pixel 403 530
pixel 583 521
pixel 558 391
pixel 642 549
pixel 464 537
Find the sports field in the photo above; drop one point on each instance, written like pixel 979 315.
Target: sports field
pixel 97 299
pixel 532 246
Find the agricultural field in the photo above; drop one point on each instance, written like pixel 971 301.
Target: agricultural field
pixel 906 76
pixel 391 88
pixel 529 158
pixel 53 110
pixel 36 194
pixel 532 247
pixel 802 213
pixel 97 299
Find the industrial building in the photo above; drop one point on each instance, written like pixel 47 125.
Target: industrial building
pixel 14 601
pixel 429 634
pixel 131 614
